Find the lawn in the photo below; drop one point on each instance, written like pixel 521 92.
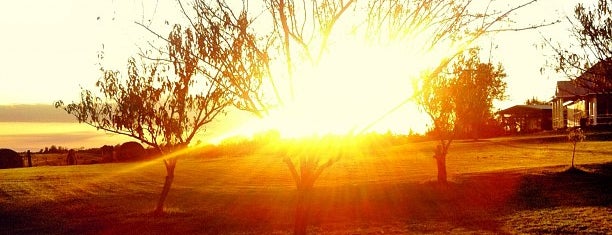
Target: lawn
pixel 497 186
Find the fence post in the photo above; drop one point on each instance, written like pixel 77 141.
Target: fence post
pixel 29 156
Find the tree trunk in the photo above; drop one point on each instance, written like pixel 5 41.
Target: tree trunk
pixel 301 213
pixel 441 163
pixel 170 165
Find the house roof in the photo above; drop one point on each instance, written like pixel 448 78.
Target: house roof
pixel 596 79
pixel 566 89
pixel 525 109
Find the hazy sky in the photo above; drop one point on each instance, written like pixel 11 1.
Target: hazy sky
pixel 49 49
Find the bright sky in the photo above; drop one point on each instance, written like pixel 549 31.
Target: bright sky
pixel 49 50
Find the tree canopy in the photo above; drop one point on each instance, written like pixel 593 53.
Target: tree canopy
pixel 164 101
pixel 588 60
pixel 459 99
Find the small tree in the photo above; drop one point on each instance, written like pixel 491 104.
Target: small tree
pixel 165 102
pixel 574 136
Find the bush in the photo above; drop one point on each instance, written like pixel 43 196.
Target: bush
pixel 10 159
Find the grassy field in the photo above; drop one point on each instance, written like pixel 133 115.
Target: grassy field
pixel 497 186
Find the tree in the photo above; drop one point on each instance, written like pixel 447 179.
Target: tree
pixel 588 61
pixel 484 83
pixel 309 171
pixel 535 101
pixel 289 19
pixel 164 102
pixel 444 98
pixel 428 25
pixel 306 28
pixel 574 136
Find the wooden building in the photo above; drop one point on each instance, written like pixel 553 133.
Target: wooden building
pixel 526 118
pixel 587 101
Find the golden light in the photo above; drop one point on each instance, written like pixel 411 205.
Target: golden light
pixel 353 85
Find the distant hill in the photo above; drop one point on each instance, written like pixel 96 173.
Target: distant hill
pixel 33 113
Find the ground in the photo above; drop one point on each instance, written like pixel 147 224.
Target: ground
pixel 497 186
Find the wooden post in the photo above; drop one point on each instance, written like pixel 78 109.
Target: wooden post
pixel 29 156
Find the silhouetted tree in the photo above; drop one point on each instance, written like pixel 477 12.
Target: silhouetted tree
pixel 477 85
pixel 590 56
pixel 303 29
pixel 164 102
pixel 536 101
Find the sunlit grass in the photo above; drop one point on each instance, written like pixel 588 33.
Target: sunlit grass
pixel 244 191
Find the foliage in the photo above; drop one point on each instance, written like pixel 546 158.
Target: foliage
pixel 484 83
pixel 54 149
pixel 10 159
pixel 536 101
pixel 460 99
pixel 165 102
pixel 574 136
pixel 592 33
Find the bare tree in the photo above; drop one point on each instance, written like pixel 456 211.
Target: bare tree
pixel 308 25
pixel 588 60
pixel 309 171
pixel 165 101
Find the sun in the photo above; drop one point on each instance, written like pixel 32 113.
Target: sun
pixel 349 91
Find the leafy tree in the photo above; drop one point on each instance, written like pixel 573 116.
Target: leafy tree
pixel 427 25
pixel 164 102
pixel 574 136
pixel 484 83
pixel 590 56
pixel 445 99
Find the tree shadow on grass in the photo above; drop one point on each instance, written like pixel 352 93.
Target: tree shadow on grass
pixel 588 185
pixel 475 203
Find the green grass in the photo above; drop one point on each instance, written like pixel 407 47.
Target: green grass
pixel 498 186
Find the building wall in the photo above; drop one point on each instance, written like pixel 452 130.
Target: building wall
pixel 575 112
pixel 604 109
pixel 558 119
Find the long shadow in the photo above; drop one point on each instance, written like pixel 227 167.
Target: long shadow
pixel 520 145
pixel 589 185
pixel 478 202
